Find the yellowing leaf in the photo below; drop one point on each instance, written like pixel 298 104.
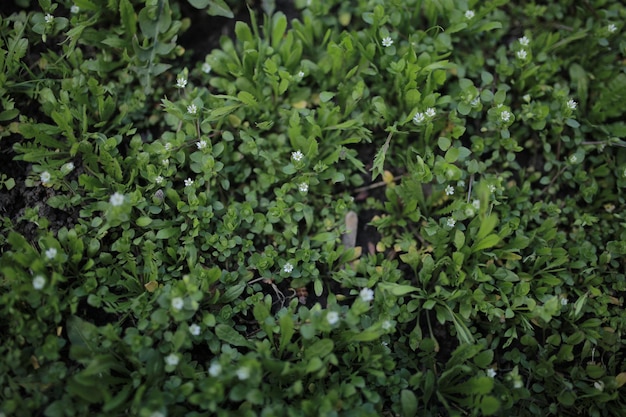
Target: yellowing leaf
pixel 151 286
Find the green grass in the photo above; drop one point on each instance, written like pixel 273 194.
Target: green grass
pixel 174 210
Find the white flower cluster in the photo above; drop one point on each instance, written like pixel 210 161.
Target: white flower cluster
pixel 428 115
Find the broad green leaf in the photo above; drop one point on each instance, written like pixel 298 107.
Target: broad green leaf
pixel 486 243
pixel 486 226
pixel 397 289
pixel 220 8
pixel 247 98
pixel 229 335
pixel 286 331
pixel 490 26
pixel 199 4
pixel 489 405
pixel 278 30
pixel 326 96
pixel 83 337
pixel 319 349
pixel 409 403
pixel 484 358
pixel 143 221
pixel 168 232
pixel 129 18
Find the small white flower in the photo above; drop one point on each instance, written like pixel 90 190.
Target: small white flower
pixel 387 325
pixel 192 109
pixel 188 182
pixel 158 179
pixel 332 318
pixel 491 188
pixel 177 303
pixel 168 146
pixel 74 9
pixel 215 369
pixel 387 42
pixel 301 74
pixel 165 162
pixel 181 81
pixel 505 116
pixel 243 373
pixel 51 253
pixel 518 383
pixel 287 268
pixel 573 159
pixel 45 177
pixel 39 282
pixel 564 301
pixel 202 144
pixel 194 329
pixel 206 68
pixel 491 373
pixel 366 294
pixel 303 187
pixel 49 18
pixel 611 28
pixel 527 98
pixel 430 112
pixel 469 211
pixel 524 41
pixel 469 15
pixel 449 190
pixel 419 118
pixel 475 102
pixel 599 385
pixel 297 156
pixel 450 222
pixel 571 104
pixel 476 204
pixel 522 54
pixel 172 359
pixel 117 199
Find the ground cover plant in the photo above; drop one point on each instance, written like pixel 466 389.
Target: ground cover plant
pixel 334 208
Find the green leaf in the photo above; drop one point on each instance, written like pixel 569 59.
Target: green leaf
pixel 143 221
pixel 220 8
pixel 413 98
pixel 490 26
pixel 129 18
pixel 489 405
pixel 379 160
pixel 409 403
pixel 397 289
pixel 247 98
pixel 199 4
pixel 319 349
pixel 167 232
pixel 486 243
pixel 326 96
pixel 229 335
pixel 484 358
pixel 83 337
pixel 286 331
pixel 278 30
pixel 486 226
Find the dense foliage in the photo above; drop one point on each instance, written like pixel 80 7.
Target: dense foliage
pixel 174 211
